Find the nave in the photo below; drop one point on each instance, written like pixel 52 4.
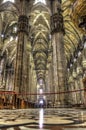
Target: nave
pixel 42 64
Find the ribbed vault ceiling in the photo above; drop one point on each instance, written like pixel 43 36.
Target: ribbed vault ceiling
pixel 39 32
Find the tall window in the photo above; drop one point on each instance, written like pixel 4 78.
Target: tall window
pixel 42 1
pixel 8 0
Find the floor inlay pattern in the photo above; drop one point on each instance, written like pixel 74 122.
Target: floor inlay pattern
pixel 43 119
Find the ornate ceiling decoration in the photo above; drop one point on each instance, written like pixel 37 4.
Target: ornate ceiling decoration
pixel 78 15
pixel 39 31
pixel 72 35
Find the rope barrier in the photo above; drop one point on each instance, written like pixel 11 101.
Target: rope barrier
pixel 45 93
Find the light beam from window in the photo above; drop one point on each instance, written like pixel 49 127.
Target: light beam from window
pixel 42 1
pixel 8 1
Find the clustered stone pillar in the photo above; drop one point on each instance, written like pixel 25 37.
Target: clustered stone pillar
pixel 55 83
pixel 22 32
pixel 80 82
pixel 84 72
pixel 76 87
pixel 49 84
pixel 27 77
pixel 57 31
pixel 71 96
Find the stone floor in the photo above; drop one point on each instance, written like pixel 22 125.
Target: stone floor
pixel 43 119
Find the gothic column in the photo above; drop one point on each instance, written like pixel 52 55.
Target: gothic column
pixel 34 84
pixel 71 95
pixel 55 83
pixel 31 85
pixel 24 77
pixel 77 93
pixel 1 39
pixel 2 68
pixel 52 87
pixel 59 60
pixel 27 77
pixel 30 81
pixel 84 72
pixel 47 87
pixel 51 82
pixel 22 33
pixel 80 82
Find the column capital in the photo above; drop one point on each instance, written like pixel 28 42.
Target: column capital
pixel 23 24
pixel 57 22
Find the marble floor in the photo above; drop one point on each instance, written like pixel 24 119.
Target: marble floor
pixel 43 119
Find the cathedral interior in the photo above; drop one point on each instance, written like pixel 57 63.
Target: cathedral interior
pixel 42 64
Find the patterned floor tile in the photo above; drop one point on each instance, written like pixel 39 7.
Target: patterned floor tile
pixel 42 117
